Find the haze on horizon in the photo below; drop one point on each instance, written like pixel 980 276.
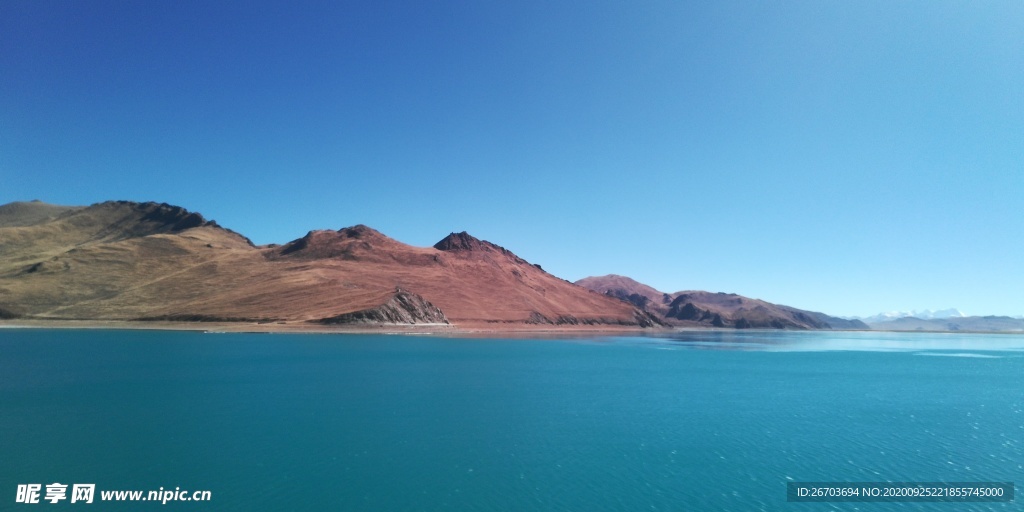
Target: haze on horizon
pixel 850 158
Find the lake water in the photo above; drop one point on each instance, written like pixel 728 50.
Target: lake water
pixel 710 421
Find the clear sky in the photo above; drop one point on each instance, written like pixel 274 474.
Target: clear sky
pixel 846 157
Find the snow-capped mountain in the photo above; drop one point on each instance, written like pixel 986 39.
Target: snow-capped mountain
pixel 926 314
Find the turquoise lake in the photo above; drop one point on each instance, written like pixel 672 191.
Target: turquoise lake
pixel 710 421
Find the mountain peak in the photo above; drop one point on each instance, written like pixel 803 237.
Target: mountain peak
pixel 620 286
pixel 609 281
pixel 463 241
pixel 360 231
pixel 926 314
pixel 354 242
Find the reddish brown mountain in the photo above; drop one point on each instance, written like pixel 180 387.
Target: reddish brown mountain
pixel 624 288
pixel 148 261
pixel 706 309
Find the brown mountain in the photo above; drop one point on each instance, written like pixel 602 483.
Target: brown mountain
pixel 623 288
pixel 706 309
pixel 148 261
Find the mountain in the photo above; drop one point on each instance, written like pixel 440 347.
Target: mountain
pixel 624 288
pixel 926 314
pixel 706 309
pixel 122 260
pixel 967 323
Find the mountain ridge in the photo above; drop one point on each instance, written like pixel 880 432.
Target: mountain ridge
pixel 990 323
pixel 926 314
pixel 694 308
pixel 128 261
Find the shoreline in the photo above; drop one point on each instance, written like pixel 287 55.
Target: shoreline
pixel 482 329
pixel 464 329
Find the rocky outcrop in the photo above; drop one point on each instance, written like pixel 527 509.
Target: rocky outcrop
pixel 175 218
pixel 402 308
pixel 635 299
pixel 143 219
pixel 681 309
pixel 640 319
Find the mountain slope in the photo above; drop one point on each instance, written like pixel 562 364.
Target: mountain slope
pixel 706 309
pixel 29 213
pixel 148 261
pixel 624 288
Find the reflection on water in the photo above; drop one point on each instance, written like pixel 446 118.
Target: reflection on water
pixel 932 344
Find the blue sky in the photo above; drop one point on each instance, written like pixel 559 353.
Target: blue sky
pixel 847 157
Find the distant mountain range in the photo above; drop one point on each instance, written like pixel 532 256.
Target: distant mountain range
pixel 926 314
pixel 943 320
pixel 966 323
pixel 707 309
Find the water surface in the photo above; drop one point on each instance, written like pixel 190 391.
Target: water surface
pixel 696 421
